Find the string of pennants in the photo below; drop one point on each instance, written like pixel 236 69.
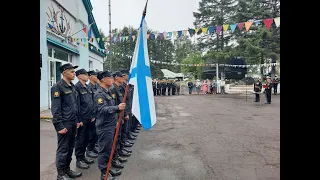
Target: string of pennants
pixel 214 65
pixel 177 64
pixel 190 32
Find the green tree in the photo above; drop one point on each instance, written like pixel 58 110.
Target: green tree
pixel 213 13
pixel 195 71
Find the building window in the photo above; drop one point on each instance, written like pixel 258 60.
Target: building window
pixel 90 65
pixel 49 52
pixel 61 55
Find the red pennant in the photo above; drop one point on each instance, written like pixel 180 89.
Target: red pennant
pixel 85 30
pixel 268 22
pixel 240 25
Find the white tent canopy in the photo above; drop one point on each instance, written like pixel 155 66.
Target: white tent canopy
pixel 170 74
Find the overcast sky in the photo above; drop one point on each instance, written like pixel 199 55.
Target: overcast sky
pixel 162 15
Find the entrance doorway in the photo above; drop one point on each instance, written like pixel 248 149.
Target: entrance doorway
pixel 55 74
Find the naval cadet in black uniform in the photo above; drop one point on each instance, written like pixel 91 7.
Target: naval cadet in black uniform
pixel 164 87
pixel 257 89
pixel 65 111
pixel 174 87
pixel 92 148
pixel 118 92
pixel 87 115
pixel 154 87
pixel 169 85
pixel 106 121
pixel 129 98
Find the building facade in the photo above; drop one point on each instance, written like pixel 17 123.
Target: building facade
pixel 67 35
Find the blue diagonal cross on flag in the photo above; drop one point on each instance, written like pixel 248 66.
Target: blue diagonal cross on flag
pixel 143 106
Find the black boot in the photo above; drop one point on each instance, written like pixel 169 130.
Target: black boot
pixel 133 134
pixel 91 154
pixel 88 161
pixel 103 175
pixel 124 153
pixel 131 137
pixel 72 174
pixel 126 144
pixel 117 164
pixel 138 128
pixel 130 141
pixel 81 164
pixel 135 131
pixel 127 149
pixel 115 172
pixel 62 175
pixel 122 159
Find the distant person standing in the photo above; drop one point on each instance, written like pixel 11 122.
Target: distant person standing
pixel 257 89
pixel 204 87
pixel 275 86
pixel 198 85
pixel 268 90
pixel 190 86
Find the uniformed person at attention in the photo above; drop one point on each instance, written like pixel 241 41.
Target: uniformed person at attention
pixel 64 109
pixel 106 121
pixel 118 92
pixel 169 85
pixel 92 148
pixel 86 116
pixel 125 76
pixel 154 87
pixel 164 87
pixel 158 87
pixel 174 87
pixel 257 89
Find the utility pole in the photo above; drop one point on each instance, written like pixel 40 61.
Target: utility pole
pixel 110 56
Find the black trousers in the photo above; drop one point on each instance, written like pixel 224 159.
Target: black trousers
pixel 173 91
pixel 163 91
pixel 154 91
pixel 275 88
pixel 257 97
pixel 82 139
pixel 105 139
pixel 169 90
pixel 124 132
pixel 93 136
pixel 190 90
pixel 65 147
pixel 158 92
pixel 118 141
pixel 268 95
pixel 135 123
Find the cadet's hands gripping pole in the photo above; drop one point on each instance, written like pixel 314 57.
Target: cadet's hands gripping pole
pixel 117 133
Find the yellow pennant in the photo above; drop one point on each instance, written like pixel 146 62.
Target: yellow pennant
pixel 248 25
pixel 174 34
pixel 197 29
pixel 204 30
pixel 225 27
pixel 102 39
pixel 127 38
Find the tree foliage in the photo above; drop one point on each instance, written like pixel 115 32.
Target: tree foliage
pixel 194 58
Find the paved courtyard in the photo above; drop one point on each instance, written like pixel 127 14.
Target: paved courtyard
pixel 197 137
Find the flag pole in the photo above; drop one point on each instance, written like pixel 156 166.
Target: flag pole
pixel 82 29
pixel 120 117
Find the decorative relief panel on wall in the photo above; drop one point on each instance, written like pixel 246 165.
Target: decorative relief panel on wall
pixel 59 22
